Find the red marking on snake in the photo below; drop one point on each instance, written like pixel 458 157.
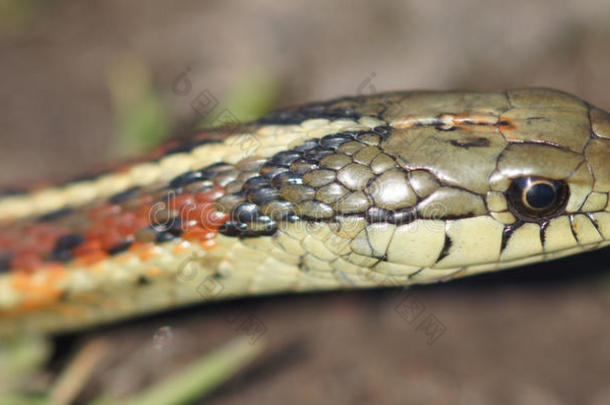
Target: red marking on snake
pixel 108 228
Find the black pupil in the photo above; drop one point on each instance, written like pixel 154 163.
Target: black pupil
pixel 540 195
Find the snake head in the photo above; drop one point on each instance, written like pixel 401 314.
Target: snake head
pixel 531 167
pixel 448 183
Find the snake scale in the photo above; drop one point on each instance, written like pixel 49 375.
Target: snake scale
pixel 391 189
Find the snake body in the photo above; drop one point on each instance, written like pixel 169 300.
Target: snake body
pixel 391 189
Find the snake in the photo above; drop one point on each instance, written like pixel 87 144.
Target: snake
pixel 390 189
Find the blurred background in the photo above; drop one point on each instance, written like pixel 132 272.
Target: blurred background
pixel 88 82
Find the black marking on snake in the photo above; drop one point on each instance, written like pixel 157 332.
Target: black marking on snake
pixel 508 232
pixel 333 141
pixel 62 251
pixel 286 178
pixel 285 158
pixel 543 227
pixel 69 241
pixel 62 255
pixel 231 228
pixel 12 192
pixel 415 273
pixel 185 179
pixel 122 246
pixel 142 280
pixel 164 236
pixel 123 196
pixel 208 172
pixel 571 218
pixel 263 195
pixel 177 226
pixel 257 182
pixel 530 119
pixel 473 143
pixel 383 131
pixel 440 127
pixel 246 212
pixel 446 248
pixel 64 295
pixel 383 258
pixel 56 215
pixel 376 214
pixel 595 224
pixel 5 262
pixel 402 217
pixel 296 115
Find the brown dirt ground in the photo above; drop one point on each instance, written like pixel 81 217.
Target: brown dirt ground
pixel 536 335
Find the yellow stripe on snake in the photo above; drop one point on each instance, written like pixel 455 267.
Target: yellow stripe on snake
pixel 386 190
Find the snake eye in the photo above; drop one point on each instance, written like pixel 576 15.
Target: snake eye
pixel 535 198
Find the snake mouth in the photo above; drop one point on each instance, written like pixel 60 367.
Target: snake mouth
pixel 383 271
pixel 531 259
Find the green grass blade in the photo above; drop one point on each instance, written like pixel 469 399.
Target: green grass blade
pixel 202 377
